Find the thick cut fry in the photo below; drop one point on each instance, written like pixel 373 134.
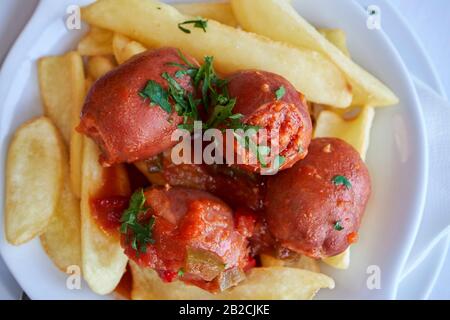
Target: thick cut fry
pixel 303 262
pixel 96 42
pixel 62 240
pixel 98 66
pixel 103 260
pixel 156 25
pixel 279 21
pixel 261 284
pixel 34 179
pixel 61 79
pixel 336 37
pixel 355 132
pixel 341 261
pixel 125 48
pixel 219 11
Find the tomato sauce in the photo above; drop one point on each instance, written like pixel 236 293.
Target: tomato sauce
pixel 109 202
pixel 123 289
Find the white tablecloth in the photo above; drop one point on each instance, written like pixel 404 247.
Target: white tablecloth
pixel 430 20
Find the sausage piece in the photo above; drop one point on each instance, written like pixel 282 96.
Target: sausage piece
pixel 315 208
pixel 123 123
pixel 194 232
pixel 270 102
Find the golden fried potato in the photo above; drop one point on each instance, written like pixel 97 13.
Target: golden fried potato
pixel 155 24
pixel 61 81
pixel 355 132
pixel 279 21
pixel 219 11
pixel 103 259
pixel 336 37
pixel 302 262
pixel 341 261
pixel 261 284
pixel 34 179
pixel 125 48
pixel 98 66
pixel 96 42
pixel 62 239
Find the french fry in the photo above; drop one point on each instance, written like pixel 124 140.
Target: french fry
pixel 355 132
pixel 336 37
pixel 341 261
pixel 310 72
pixel 303 262
pixel 219 11
pixel 103 259
pixel 96 42
pixel 98 66
pixel 34 178
pixel 261 284
pixel 61 79
pixel 125 48
pixel 62 239
pixel 279 21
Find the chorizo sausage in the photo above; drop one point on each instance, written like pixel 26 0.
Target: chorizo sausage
pixel 315 208
pixel 195 232
pixel 270 102
pixel 125 125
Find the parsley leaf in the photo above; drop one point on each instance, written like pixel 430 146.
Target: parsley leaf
pixel 138 234
pixel 157 95
pixel 198 23
pixel 338 226
pixel 279 94
pixel 341 180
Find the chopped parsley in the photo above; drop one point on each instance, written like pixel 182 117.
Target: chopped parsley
pixel 341 180
pixel 279 94
pixel 137 233
pixel 180 272
pixel 198 23
pixel 338 226
pixel 157 95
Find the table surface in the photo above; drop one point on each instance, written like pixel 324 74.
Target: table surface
pixel 429 20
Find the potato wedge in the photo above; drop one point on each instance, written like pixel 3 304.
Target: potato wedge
pixel 125 48
pixel 103 259
pixel 341 261
pixel 98 66
pixel 336 37
pixel 310 72
pixel 34 178
pixel 261 284
pixel 219 11
pixel 62 239
pixel 303 262
pixel 279 21
pixel 355 132
pixel 61 81
pixel 96 42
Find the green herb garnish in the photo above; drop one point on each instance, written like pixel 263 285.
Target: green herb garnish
pixel 139 234
pixel 341 180
pixel 279 94
pixel 338 226
pixel 157 95
pixel 198 23
pixel 180 272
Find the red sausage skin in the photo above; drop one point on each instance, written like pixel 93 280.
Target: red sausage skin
pixel 120 121
pixel 256 100
pixel 309 209
pixel 187 218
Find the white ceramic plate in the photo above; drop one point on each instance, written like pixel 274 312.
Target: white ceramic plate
pixel 397 157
